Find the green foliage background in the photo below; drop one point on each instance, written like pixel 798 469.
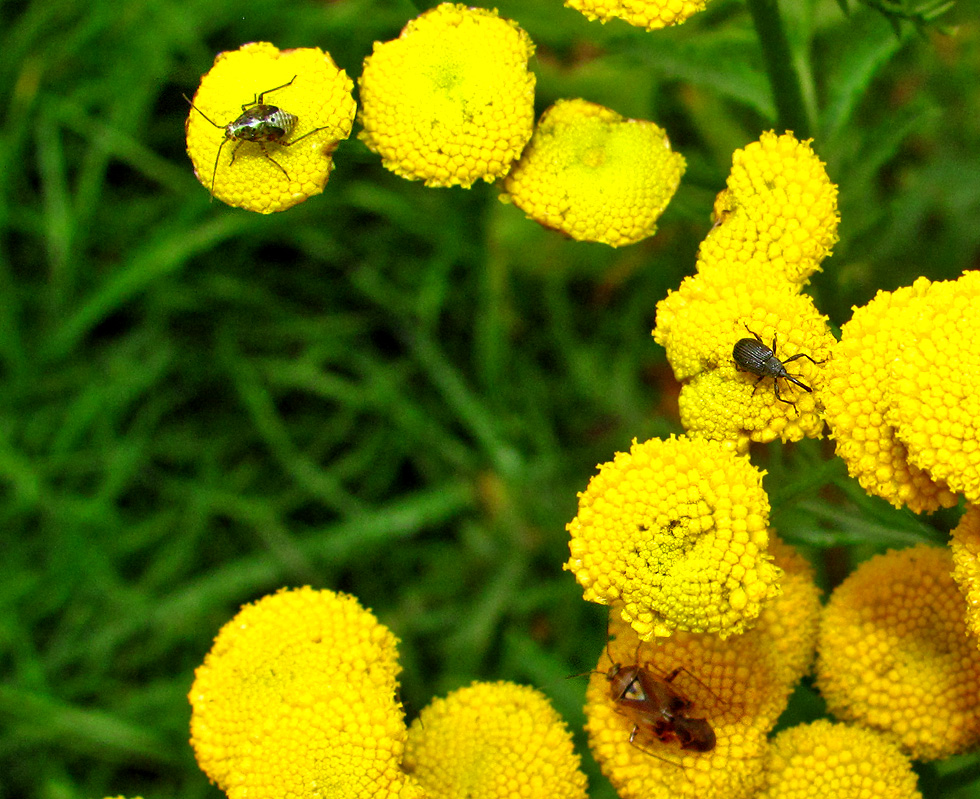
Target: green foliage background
pixel 390 390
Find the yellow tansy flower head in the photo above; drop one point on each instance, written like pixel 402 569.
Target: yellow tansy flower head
pixel 493 741
pixel 859 396
pixel 965 545
pixel 676 530
pixel 934 390
pixel 894 653
pixel 299 691
pixel 778 218
pixel 594 175
pixel 721 698
pixel 791 621
pixel 649 14
pixel 268 160
pixel 451 100
pixel 824 760
pixel 699 325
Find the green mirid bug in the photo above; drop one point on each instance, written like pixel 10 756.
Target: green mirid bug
pixel 259 123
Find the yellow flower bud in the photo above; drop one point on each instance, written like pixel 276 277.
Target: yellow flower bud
pixel 778 218
pixel 649 14
pixel 965 546
pixel 451 100
pixel 676 530
pixel 298 691
pixel 493 741
pixel 860 393
pixel 594 175
pixel 288 161
pixel 837 761
pixel 895 655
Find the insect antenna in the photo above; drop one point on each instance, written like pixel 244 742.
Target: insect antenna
pixel 201 112
pixel 214 172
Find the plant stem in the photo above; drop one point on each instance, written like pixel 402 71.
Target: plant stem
pixel 785 81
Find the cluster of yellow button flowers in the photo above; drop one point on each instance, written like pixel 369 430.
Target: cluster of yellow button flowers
pixel 774 223
pixel 449 102
pixel 738 686
pixel 298 697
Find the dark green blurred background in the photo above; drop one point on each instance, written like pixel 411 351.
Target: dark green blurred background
pixel 390 390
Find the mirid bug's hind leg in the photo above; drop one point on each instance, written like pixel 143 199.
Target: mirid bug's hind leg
pixel 279 166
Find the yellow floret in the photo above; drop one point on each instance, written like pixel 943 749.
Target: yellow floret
pixel 857 397
pixel 493 741
pixel 298 695
pixel 699 325
pixel 791 621
pixel 734 686
pixel 934 386
pixel 895 655
pixel 289 170
pixel 640 13
pixel 778 218
pixel 677 531
pixel 823 760
pixel 451 100
pixel 965 545
pixel 594 175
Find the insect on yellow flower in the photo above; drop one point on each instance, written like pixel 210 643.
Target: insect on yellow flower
pixel 288 111
pixel 259 123
pixel 657 707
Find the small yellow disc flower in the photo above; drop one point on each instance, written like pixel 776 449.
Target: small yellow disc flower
pixel 676 530
pixel 649 14
pixel 965 545
pixel 791 621
pixel 858 400
pixel 823 760
pixel 934 390
pixel 732 688
pixel 778 218
pixel 594 175
pixel 451 100
pixel 493 741
pixel 297 696
pixel 895 655
pixel 699 325
pixel 286 162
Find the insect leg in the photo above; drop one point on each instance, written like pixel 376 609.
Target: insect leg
pixel 201 112
pixel 258 98
pixel 802 355
pixel 265 152
pixel 754 334
pixel 315 130
pixel 775 389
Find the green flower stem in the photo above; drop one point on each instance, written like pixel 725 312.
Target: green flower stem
pixel 786 86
